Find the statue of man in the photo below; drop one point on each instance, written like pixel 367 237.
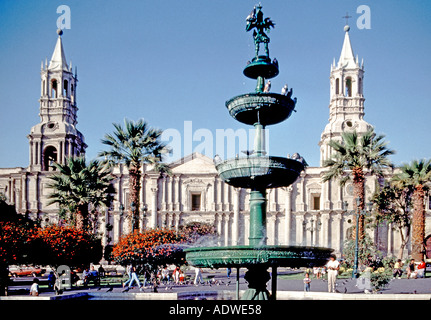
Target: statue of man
pixel 255 20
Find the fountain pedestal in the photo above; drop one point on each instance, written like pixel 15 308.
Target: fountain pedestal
pixel 257 277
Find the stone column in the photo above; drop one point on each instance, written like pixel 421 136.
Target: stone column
pixel 219 193
pixel 324 230
pixel 226 228
pixel 177 193
pixel 219 227
pixel 154 208
pixel 214 195
pixel 236 210
pixel 164 193
pixel 299 229
pixel 389 246
pixel 170 193
pixel 273 226
pixel 30 153
pixel 24 191
pixel 327 195
pixel 225 197
pixel 103 225
pixel 339 196
pixel 338 221
pixel 313 225
pixel 117 226
pixel 288 216
pixel 274 199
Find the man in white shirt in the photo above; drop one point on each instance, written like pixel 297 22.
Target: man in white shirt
pixel 332 266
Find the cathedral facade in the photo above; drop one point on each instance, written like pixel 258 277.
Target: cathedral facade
pixel 309 212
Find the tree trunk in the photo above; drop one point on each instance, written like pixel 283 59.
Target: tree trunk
pixel 134 197
pixel 359 192
pixel 418 223
pixel 404 240
pixel 81 216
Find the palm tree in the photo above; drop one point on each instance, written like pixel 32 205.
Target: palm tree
pixel 353 155
pixel 417 176
pixel 77 186
pixel 134 145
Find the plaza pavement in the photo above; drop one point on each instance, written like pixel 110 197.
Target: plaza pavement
pixel 223 288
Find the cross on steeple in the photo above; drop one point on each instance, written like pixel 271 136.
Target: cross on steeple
pixel 347 18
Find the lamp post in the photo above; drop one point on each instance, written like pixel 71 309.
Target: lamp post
pixel 358 213
pixel 312 228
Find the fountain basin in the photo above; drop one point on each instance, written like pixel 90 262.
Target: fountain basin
pixel 257 172
pixel 265 108
pixel 261 67
pixel 249 256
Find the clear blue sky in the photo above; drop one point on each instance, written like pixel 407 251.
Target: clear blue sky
pixel 175 61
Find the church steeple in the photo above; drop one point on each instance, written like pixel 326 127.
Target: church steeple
pixel 347 58
pixel 55 138
pixel 346 108
pixel 58 59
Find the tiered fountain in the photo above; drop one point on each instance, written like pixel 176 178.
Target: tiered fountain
pixel 258 172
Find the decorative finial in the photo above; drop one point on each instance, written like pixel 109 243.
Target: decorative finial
pixel 59 32
pixel 346 27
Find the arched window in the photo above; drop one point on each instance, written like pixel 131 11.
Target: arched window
pixel 49 156
pixel 54 87
pixel 337 86
pixel 348 91
pixel 65 88
pixel 360 86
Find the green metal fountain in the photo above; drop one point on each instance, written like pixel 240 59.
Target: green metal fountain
pixel 258 172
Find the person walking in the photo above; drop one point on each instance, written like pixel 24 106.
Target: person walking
pixel 134 278
pixel 176 274
pixel 307 282
pixel 198 276
pixel 229 271
pixel 129 274
pixel 165 275
pixel 332 266
pixel 51 280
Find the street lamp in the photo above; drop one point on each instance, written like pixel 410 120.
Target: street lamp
pixel 358 213
pixel 312 228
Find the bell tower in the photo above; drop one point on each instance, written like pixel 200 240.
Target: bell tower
pixel 55 138
pixel 346 107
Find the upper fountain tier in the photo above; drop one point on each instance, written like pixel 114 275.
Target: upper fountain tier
pixel 262 106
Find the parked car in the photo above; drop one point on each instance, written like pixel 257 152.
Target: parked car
pixel 20 271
